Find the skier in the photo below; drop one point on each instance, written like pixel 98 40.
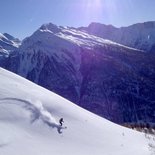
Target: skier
pixel 61 121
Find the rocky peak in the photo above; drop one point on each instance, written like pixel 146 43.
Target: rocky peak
pixel 50 27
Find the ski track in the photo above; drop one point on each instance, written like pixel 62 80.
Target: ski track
pixel 3 145
pixel 37 111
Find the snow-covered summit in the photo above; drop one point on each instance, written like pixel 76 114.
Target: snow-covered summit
pixel 51 27
pixel 29 125
pixel 7 39
pixel 8 44
pixel 140 35
pixel 14 40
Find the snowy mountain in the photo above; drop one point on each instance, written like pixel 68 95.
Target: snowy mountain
pixel 109 79
pixel 140 36
pixel 7 45
pixel 29 125
pixel 8 42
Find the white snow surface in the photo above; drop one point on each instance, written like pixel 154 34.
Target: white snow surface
pixel 29 125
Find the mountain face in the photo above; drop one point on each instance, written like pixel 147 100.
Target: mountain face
pixel 7 45
pixel 109 79
pixel 140 36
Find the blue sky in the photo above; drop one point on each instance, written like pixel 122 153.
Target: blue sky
pixel 21 18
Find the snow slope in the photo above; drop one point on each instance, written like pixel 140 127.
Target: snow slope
pixel 29 117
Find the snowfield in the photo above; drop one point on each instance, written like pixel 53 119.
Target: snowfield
pixel 29 125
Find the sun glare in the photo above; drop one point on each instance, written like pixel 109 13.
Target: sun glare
pixel 100 10
pixel 93 8
pixel 93 3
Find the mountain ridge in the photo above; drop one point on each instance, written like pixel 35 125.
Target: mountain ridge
pixel 139 35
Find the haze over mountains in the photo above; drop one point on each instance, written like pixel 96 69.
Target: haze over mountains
pixel 113 80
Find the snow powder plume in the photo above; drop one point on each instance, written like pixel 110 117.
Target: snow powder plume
pixel 45 115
